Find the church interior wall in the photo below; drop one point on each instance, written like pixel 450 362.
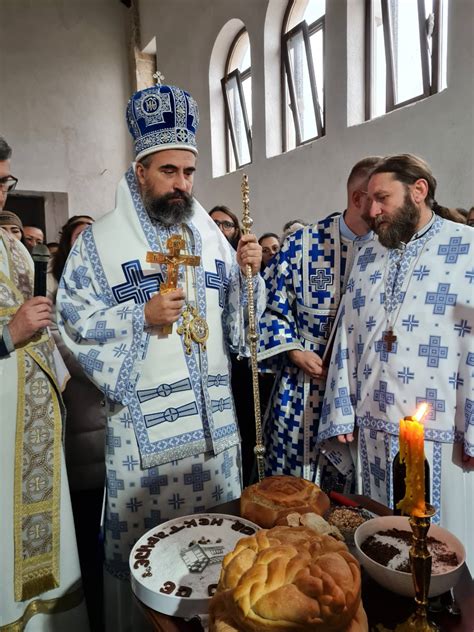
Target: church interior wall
pixel 309 182
pixel 65 83
pixel 64 87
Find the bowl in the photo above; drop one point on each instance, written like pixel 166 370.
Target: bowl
pixel 398 581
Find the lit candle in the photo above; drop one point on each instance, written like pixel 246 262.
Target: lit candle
pixel 412 453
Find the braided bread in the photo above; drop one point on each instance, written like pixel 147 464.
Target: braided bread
pixel 290 579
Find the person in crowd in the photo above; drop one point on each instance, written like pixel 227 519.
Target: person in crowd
pixel 52 247
pixel 270 243
pixel 8 181
pixel 453 214
pixel 405 338
pixel 228 223
pixel 12 224
pixel 470 217
pixel 32 236
pixel 291 227
pixel 71 230
pixel 462 211
pixel 305 283
pixel 41 582
pixel 84 440
pixel 159 355
pixel 241 375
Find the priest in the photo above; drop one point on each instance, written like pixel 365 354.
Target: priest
pixel 40 576
pixel 305 283
pixel 152 299
pixel 405 337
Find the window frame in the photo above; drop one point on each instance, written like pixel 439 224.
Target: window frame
pixel 429 87
pixel 287 80
pixel 239 77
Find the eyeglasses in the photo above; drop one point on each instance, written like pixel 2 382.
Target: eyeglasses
pixel 226 225
pixel 8 184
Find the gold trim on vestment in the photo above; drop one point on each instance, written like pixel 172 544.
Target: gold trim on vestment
pixel 36 556
pixel 45 606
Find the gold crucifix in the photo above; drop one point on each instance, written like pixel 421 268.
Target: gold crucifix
pixel 172 259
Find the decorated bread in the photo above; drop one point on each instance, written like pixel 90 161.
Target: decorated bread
pixel 265 503
pixel 289 579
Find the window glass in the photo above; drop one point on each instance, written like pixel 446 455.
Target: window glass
pixel 237 90
pixel 405 30
pixel 305 10
pixel 304 100
pixel 408 60
pixel 238 121
pixel 303 70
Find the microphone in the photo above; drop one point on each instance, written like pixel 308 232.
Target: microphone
pixel 40 255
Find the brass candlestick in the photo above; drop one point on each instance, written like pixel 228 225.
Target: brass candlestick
pixel 253 336
pixel 420 562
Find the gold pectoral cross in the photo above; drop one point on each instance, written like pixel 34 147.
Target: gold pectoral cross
pixel 172 259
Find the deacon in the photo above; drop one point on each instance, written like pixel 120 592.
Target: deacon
pixel 405 337
pixel 39 567
pixel 161 357
pixel 304 286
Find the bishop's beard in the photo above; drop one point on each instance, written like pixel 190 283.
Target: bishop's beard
pixel 169 209
pixel 399 227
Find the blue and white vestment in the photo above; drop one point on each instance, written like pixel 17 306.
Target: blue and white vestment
pixel 172 445
pixel 426 294
pixel 304 282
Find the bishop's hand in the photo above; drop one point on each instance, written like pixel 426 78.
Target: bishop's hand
pixel 249 252
pixel 164 308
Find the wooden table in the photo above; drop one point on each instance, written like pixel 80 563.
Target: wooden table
pixel 381 606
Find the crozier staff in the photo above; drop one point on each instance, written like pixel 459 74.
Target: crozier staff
pixel 172 439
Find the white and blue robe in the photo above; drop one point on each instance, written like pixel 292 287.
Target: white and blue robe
pixel 426 294
pixel 304 282
pixel 172 444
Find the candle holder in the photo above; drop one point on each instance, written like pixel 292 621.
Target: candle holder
pixel 420 562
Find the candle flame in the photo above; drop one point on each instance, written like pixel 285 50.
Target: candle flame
pixel 421 411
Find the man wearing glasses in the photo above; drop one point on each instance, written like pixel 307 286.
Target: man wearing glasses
pixel 40 564
pixel 7 181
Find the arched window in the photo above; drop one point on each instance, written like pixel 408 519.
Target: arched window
pixel 237 91
pixel 302 48
pixel 406 44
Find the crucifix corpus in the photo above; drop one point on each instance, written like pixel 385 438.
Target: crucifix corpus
pixel 172 260
pixel 389 338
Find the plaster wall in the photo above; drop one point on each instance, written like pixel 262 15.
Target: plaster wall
pixel 64 87
pixel 309 182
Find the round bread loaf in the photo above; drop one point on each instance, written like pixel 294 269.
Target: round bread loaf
pixel 289 579
pixel 276 496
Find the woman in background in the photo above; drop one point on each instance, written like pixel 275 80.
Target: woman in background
pixel 228 223
pixel 84 442
pixel 12 224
